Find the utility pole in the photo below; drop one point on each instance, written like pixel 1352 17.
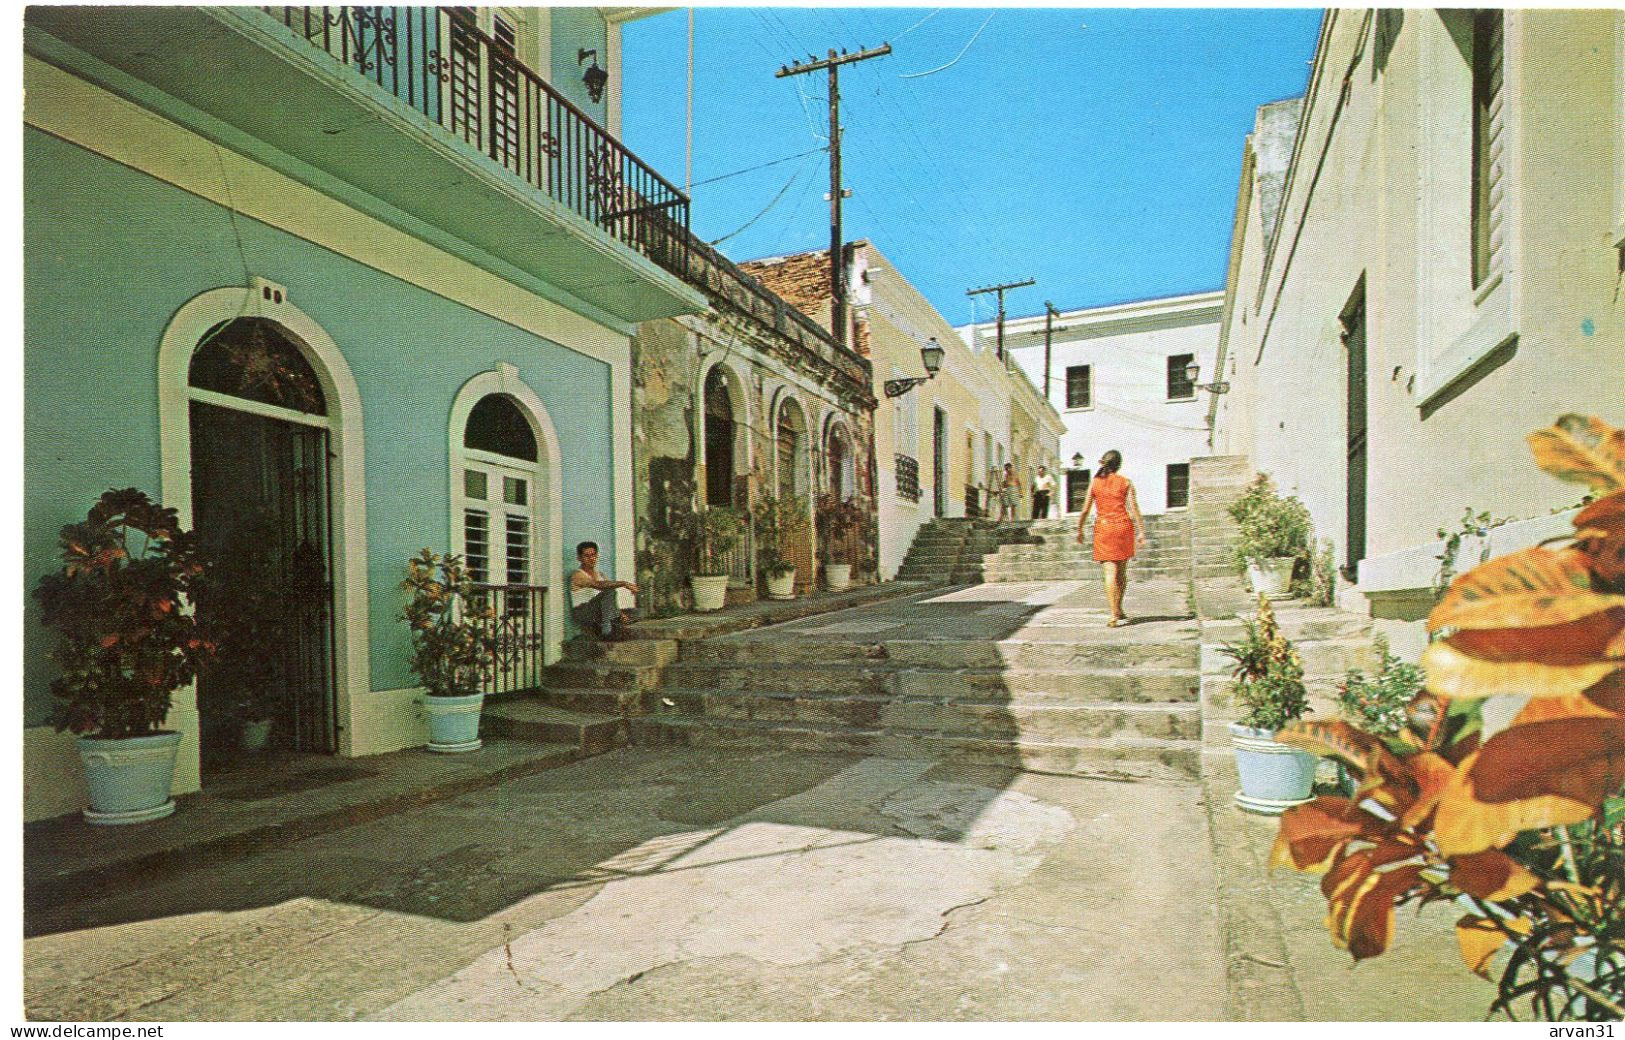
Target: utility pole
pixel 1001 289
pixel 837 248
pixel 1050 314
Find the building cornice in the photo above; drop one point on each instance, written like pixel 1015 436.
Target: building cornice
pixel 1118 319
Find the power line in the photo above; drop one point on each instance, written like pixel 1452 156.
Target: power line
pixel 763 166
pixel 763 213
pixel 961 54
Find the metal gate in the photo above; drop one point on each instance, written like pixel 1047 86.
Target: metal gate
pixel 260 504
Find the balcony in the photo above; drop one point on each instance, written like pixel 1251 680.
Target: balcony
pixel 414 116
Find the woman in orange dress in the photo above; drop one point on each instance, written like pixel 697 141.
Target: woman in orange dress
pixel 1118 529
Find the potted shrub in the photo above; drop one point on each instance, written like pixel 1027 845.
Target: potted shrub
pixel 1274 535
pixel 252 610
pixel 1522 829
pixel 838 522
pixel 126 641
pixel 1378 705
pixel 777 521
pixel 453 647
pixel 1269 687
pixel 716 533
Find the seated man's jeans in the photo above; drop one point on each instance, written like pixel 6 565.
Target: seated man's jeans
pixel 599 615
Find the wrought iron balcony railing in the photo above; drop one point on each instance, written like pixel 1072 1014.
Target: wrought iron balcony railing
pixel 519 626
pixel 908 478
pixel 437 61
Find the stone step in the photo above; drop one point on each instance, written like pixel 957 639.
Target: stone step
pixel 1298 625
pixel 984 719
pixel 621 702
pixel 1149 554
pixel 600 675
pixel 534 719
pixel 1123 758
pixel 641 652
pixel 1164 686
pixel 1072 686
pixel 1088 570
pixel 1050 648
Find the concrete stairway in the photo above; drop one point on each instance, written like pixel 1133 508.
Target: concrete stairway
pixel 949 550
pixel 1048 550
pixel 1072 701
pixel 585 701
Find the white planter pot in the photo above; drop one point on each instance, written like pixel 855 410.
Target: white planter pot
pixel 782 586
pixel 837 576
pixel 256 734
pixel 454 722
pixel 129 779
pixel 710 591
pixel 1274 777
pixel 1271 577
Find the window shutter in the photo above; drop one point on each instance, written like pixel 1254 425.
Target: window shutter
pixel 1489 188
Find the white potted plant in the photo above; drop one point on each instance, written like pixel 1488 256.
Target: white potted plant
pixel 1274 535
pixel 838 522
pixel 453 647
pixel 777 521
pixel 126 641
pixel 717 531
pixel 1269 688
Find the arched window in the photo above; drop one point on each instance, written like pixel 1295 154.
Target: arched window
pixel 253 359
pixel 499 493
pixel 792 450
pixel 842 463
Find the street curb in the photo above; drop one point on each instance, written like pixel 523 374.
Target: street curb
pixel 42 892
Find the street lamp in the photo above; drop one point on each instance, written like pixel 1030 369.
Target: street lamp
pixel 1193 370
pixel 931 356
pixel 1077 460
pixel 595 78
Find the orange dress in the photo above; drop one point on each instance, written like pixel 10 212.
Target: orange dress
pixel 1114 529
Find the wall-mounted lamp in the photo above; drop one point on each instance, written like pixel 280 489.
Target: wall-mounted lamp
pixel 1193 370
pixel 931 356
pixel 594 78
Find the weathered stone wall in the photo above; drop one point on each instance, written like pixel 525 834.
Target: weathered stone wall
pixel 763 336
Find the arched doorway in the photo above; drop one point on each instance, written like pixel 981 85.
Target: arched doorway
pixel 261 507
pixel 794 482
pixel 791 442
pixel 720 436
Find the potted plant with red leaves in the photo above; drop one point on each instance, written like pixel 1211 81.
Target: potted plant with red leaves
pixel 1523 829
pixel 126 640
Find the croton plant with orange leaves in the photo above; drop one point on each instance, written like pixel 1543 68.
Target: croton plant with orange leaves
pixel 1525 830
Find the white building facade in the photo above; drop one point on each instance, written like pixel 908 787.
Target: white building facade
pixel 1118 377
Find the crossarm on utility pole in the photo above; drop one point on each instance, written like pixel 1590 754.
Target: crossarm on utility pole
pixel 837 247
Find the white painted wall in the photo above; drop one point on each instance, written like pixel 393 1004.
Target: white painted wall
pixel 1127 347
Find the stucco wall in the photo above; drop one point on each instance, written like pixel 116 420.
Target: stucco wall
pixel 111 254
pixel 1376 192
pixel 1129 409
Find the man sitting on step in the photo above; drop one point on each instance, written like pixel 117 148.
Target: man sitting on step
pixel 593 600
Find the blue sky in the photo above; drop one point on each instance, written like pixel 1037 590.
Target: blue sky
pixel 1094 149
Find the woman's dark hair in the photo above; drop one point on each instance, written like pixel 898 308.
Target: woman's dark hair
pixel 1110 463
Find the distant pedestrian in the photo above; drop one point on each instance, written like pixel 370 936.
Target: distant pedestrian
pixel 1009 493
pixel 1043 488
pixel 1119 529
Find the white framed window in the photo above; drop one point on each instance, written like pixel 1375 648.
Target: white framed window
pixel 495 499
pixel 1466 160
